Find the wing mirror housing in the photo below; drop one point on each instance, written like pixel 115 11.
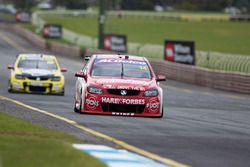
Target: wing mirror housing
pixel 63 69
pixel 10 67
pixel 80 74
pixel 160 78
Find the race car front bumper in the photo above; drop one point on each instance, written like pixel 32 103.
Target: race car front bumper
pixel 31 86
pixel 125 106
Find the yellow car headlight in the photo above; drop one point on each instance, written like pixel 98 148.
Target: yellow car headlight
pixel 56 78
pixel 19 76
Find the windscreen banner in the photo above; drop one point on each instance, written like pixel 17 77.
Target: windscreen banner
pixel 114 42
pixel 180 51
pixel 52 31
pixel 23 17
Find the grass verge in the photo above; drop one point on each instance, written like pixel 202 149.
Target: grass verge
pixel 23 144
pixel 221 36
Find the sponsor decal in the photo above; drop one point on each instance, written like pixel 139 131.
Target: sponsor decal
pixel 17 86
pixel 23 17
pixel 109 86
pixel 153 105
pixel 123 114
pixel 36 84
pixel 92 102
pixel 117 43
pixel 180 51
pixel 56 88
pixel 37 72
pixel 112 100
pixel 115 81
pixel 120 61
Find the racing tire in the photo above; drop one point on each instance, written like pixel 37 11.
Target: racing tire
pixel 75 109
pixel 62 93
pixel 10 90
pixel 80 108
pixel 162 113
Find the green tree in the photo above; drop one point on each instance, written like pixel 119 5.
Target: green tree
pixel 137 4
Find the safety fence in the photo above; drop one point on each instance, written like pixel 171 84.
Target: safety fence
pixel 149 15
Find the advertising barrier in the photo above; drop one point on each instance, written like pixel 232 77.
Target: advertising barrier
pixel 23 17
pixel 116 43
pixel 229 81
pixel 52 31
pixel 180 51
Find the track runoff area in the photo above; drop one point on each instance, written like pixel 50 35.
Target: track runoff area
pixel 129 156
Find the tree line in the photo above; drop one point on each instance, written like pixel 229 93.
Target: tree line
pixel 190 5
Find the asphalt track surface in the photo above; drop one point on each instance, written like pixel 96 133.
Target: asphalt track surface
pixel 201 126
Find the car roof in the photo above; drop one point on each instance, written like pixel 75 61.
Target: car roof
pixel 119 56
pixel 35 56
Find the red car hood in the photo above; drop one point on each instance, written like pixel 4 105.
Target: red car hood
pixel 128 83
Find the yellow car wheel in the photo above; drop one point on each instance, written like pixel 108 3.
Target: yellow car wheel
pixel 10 90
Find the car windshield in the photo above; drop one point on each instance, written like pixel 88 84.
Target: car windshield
pixel 120 68
pixel 38 64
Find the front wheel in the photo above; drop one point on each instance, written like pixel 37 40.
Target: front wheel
pixel 10 90
pixel 162 113
pixel 75 109
pixel 62 93
pixel 80 106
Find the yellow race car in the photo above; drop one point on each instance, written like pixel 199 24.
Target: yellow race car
pixel 36 73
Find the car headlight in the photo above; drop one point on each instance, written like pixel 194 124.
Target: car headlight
pixel 153 92
pixel 55 78
pixel 94 90
pixel 19 76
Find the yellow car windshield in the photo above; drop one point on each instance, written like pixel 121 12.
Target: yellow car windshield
pixel 37 64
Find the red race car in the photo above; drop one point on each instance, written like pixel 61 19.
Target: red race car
pixel 119 85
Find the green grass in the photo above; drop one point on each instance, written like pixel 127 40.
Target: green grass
pixel 221 36
pixel 26 145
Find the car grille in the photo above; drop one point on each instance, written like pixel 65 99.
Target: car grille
pixel 42 78
pixel 37 89
pixel 123 108
pixel 118 92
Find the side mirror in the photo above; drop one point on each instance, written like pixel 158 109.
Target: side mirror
pixel 160 78
pixel 86 58
pixel 80 74
pixel 63 70
pixel 10 67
